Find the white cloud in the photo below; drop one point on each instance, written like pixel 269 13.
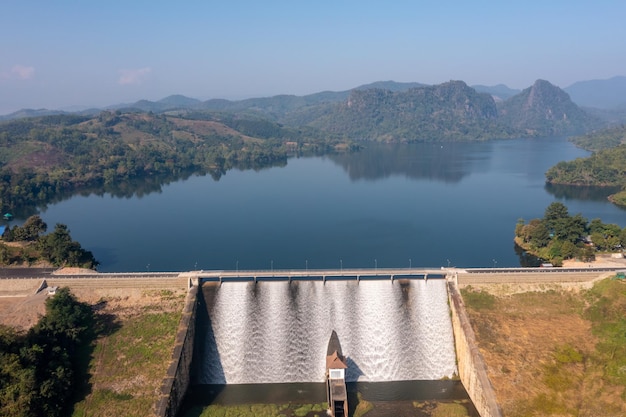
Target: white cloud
pixel 22 72
pixel 18 72
pixel 133 76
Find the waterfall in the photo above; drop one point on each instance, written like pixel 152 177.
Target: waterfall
pixel 274 332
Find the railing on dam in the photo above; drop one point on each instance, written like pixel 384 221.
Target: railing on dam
pixel 360 274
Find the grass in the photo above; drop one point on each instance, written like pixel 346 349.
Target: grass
pixel 568 349
pixel 363 406
pixel 607 314
pixel 128 366
pixel 478 300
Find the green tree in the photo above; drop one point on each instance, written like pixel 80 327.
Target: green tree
pixel 555 212
pixel 537 233
pixel 39 370
pixel 59 249
pixel 569 250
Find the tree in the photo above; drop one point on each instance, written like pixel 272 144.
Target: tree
pixel 537 233
pixel 39 371
pixel 554 212
pixel 572 229
pixel 59 249
pixel 32 228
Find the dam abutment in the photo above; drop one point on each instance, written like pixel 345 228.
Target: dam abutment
pixel 178 377
pixel 470 363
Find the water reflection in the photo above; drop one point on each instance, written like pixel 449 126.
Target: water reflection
pixel 447 162
pixel 576 192
pixel 526 260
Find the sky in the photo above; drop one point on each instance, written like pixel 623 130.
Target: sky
pixel 67 54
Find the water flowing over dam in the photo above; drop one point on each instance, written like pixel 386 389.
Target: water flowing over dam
pixel 277 332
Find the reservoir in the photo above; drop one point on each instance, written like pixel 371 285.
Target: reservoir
pixel 389 205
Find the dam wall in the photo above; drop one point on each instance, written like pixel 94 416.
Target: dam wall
pixel 398 331
pixel 472 369
pixel 178 377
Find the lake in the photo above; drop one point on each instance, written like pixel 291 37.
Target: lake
pixel 396 205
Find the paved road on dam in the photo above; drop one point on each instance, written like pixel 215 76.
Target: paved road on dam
pixel 464 276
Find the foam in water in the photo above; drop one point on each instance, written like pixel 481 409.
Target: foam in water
pixel 275 332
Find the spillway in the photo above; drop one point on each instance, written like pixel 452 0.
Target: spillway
pixel 277 332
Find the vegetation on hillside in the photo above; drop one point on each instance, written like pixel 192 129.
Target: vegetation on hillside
pixel 42 371
pixel 44 157
pixel 545 110
pixel 559 236
pixel 605 168
pixel 451 111
pixel 56 248
pixel 601 139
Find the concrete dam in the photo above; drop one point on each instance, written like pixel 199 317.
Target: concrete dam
pixel 277 332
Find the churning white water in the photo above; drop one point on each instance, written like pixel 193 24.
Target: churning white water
pixel 274 332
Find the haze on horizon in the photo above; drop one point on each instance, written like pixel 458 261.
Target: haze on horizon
pixel 69 53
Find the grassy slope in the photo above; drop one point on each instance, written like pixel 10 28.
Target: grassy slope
pixel 130 362
pixel 554 353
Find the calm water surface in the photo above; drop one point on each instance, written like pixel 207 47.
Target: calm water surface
pixel 389 206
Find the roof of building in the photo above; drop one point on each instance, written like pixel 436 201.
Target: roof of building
pixel 334 361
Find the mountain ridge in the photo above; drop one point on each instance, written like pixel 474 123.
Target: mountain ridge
pixel 392 111
pixel 175 101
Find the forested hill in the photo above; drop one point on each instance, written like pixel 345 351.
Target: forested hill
pixel 606 167
pixel 450 111
pixel 603 139
pixel 545 110
pixel 47 156
pixel 391 111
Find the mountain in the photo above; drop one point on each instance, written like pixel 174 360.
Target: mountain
pixel 178 100
pixel 545 110
pixel 449 111
pixel 499 92
pixel 388 110
pixel 390 85
pixel 602 94
pixel 173 102
pixel 24 113
pixel 280 105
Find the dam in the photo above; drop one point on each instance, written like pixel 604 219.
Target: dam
pixel 276 332
pixel 217 306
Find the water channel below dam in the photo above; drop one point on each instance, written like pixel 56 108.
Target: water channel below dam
pixel 277 332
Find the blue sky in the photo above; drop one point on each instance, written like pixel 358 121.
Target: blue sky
pixel 62 53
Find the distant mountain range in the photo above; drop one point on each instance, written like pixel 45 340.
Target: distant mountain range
pixel 602 94
pixel 393 111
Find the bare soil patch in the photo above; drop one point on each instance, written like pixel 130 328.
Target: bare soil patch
pixel 522 337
